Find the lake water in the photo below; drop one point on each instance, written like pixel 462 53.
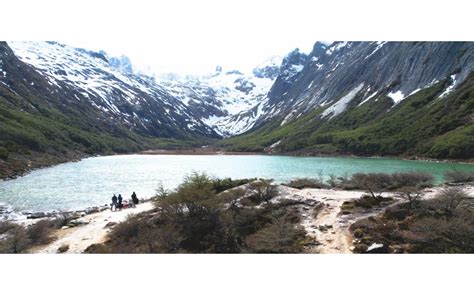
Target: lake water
pixel 92 181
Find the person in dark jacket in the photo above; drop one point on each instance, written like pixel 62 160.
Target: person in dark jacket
pixel 113 206
pixel 120 202
pixel 134 199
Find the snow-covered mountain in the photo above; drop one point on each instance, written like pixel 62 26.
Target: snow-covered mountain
pixel 217 103
pixel 370 98
pixel 222 98
pixel 334 75
pixel 339 97
pixel 229 102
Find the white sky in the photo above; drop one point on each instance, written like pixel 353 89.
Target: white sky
pixel 195 36
pixel 187 36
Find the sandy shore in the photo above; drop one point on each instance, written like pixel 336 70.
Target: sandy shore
pixel 95 231
pixel 329 227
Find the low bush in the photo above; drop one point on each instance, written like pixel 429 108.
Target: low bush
pixel 443 224
pixel 301 183
pixel 224 184
pixel 376 183
pixel 365 202
pixel 40 232
pixel 15 238
pixel 280 236
pixel 195 219
pixel 262 191
pixel 457 176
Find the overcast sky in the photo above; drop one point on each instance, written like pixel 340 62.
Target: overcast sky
pixel 193 36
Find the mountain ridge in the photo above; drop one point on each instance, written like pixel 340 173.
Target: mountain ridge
pixel 58 102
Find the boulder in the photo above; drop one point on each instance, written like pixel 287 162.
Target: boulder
pixel 63 248
pixel 77 222
pixel 36 215
pixel 110 224
pixel 322 228
pixel 92 210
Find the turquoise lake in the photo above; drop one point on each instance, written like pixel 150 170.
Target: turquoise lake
pixel 93 181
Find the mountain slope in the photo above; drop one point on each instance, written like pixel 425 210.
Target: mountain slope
pixel 135 101
pixel 372 98
pixel 46 118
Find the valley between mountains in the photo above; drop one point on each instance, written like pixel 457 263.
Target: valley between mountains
pixel 399 99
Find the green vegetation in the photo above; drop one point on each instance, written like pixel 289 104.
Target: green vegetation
pixel 365 202
pixel 36 133
pixel 444 224
pixel 196 219
pixel 33 140
pixel 421 125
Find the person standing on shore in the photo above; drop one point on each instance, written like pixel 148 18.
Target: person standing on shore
pixel 114 203
pixel 134 199
pixel 120 202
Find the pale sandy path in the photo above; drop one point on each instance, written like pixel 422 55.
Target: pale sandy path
pixel 80 237
pixel 335 238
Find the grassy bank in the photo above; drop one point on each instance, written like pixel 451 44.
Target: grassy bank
pixel 422 125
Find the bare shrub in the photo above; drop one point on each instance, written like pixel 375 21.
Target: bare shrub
pixel 457 176
pixel 40 232
pixel 411 194
pixel 332 180
pixel 411 179
pixel 281 236
pixel 301 183
pixel 262 191
pixel 232 197
pixel 373 183
pixel 15 238
pixel 376 183
pixel 452 198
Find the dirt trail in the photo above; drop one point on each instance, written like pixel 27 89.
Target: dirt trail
pixel 95 231
pixel 327 225
pixel 329 228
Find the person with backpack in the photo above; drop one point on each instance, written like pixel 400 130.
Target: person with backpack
pixel 134 199
pixel 113 206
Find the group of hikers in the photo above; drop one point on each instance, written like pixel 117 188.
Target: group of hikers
pixel 118 203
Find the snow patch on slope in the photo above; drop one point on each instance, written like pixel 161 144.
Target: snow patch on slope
pixel 380 44
pixel 335 47
pixel 396 96
pixel 368 98
pixel 450 87
pixel 341 105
